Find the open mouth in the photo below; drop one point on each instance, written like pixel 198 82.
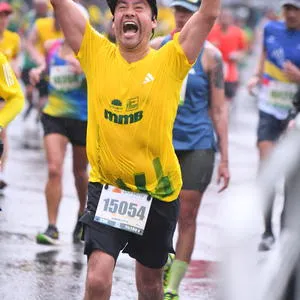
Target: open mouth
pixel 130 27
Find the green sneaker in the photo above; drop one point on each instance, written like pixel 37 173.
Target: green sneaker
pixel 49 237
pixel 167 268
pixel 169 295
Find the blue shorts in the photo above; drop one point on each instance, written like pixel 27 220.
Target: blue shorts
pixel 269 127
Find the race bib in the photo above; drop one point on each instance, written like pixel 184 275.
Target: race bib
pixel 281 94
pixel 62 78
pixel 123 209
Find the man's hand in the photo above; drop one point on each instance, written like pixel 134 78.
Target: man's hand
pixel 291 71
pixel 35 76
pixel 223 175
pixel 252 84
pixel 74 63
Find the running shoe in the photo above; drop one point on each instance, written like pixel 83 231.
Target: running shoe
pixel 167 269
pixel 3 184
pixel 267 242
pixel 77 233
pixel 49 237
pixel 171 295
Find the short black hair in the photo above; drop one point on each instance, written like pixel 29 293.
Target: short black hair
pixel 112 5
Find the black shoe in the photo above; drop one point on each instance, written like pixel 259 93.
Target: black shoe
pixel 77 233
pixel 49 237
pixel 3 184
pixel 267 242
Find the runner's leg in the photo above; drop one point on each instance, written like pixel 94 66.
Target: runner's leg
pixel 196 167
pixel 81 184
pixel 265 147
pixel 148 282
pixel 55 145
pixel 99 276
pixel 80 174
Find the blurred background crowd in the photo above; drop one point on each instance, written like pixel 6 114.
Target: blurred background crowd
pixel 247 14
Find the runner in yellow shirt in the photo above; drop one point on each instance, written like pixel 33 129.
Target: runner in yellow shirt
pixel 10 42
pixel 10 92
pixel 133 95
pixel 10 47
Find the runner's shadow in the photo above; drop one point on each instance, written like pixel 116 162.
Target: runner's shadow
pixel 46 257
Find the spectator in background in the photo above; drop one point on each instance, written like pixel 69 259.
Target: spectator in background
pixel 230 40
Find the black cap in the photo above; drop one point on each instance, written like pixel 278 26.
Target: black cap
pixel 112 5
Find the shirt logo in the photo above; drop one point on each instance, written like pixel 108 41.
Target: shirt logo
pixel 271 39
pixel 149 77
pixel 116 105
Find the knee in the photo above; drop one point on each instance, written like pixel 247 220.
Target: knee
pixel 187 217
pixel 97 285
pixel 150 289
pixel 54 171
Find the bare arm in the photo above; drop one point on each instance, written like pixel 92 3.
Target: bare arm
pixel 219 111
pixel 195 31
pixel 30 46
pixel 256 78
pixel 71 20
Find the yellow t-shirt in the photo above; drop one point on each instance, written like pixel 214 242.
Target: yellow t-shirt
pixel 131 111
pixel 46 31
pixel 10 91
pixel 10 44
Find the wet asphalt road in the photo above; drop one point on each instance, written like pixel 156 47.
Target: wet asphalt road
pixel 30 271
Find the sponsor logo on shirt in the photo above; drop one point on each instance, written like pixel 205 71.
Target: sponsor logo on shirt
pixel 149 77
pixel 117 115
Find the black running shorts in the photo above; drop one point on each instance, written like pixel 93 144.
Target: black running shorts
pixel 74 130
pixel 151 249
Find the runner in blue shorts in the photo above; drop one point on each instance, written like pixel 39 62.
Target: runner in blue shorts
pixel 277 74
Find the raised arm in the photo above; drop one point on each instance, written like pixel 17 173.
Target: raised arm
pixel 71 20
pixel 195 31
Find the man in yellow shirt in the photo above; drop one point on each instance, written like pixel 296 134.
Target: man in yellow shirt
pixel 10 47
pixel 135 179
pixel 11 93
pixel 10 42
